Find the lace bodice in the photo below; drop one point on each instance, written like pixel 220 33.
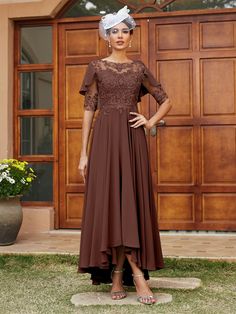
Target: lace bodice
pixel 112 84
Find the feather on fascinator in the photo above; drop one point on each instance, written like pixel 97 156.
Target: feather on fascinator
pixel 112 19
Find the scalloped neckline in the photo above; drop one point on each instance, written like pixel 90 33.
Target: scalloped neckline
pixel 116 62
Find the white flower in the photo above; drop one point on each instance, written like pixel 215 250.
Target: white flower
pixel 9 179
pixel 3 166
pixel 4 175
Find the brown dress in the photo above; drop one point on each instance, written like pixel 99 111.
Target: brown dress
pixel 119 207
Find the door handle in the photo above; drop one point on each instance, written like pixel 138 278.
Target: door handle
pixel 153 130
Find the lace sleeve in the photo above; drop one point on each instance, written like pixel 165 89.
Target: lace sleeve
pixel 89 89
pixel 152 86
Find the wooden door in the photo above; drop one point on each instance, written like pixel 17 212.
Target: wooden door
pixel 79 44
pixel 194 157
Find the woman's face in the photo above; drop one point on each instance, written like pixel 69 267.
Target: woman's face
pixel 120 36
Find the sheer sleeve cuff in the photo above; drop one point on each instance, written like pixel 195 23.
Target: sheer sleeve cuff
pixel 90 101
pixel 88 79
pixel 152 86
pixel 89 88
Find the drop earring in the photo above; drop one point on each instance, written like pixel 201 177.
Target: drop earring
pixel 130 44
pixel 109 45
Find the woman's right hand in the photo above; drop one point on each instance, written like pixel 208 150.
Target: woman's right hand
pixel 83 166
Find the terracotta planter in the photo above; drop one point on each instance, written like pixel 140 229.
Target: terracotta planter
pixel 11 217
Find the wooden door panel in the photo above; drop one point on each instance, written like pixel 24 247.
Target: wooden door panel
pixel 74 206
pixel 175 156
pixel 82 43
pixel 73 146
pixel 176 207
pixel 179 72
pixel 74 77
pixel 216 35
pixel 218 87
pixel 219 155
pixel 173 37
pixel 212 204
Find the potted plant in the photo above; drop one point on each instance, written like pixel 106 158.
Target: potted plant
pixel 16 178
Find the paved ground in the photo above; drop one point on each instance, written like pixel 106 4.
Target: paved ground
pixel 215 246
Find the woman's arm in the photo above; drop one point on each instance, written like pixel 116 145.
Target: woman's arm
pixel 161 112
pixel 90 106
pixel 90 91
pixel 153 87
pixel 148 124
pixel 157 91
pixel 86 129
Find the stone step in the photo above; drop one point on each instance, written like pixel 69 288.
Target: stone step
pixel 104 298
pixel 174 283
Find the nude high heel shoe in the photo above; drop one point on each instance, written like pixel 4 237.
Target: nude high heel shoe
pixel 120 293
pixel 144 299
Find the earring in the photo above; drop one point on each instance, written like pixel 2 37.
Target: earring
pixel 109 44
pixel 130 44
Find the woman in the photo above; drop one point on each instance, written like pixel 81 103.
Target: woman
pixel 120 237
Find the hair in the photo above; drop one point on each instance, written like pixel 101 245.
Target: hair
pixel 126 22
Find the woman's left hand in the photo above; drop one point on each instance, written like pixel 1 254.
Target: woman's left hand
pixel 140 120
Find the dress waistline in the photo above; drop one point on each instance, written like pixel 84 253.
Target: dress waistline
pixel 106 109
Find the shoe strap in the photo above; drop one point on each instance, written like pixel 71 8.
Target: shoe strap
pixel 137 275
pixel 141 299
pixel 118 271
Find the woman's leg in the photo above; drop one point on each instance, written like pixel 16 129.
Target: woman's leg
pixel 117 276
pixel 141 284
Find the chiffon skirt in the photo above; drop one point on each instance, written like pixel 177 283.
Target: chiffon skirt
pixel 119 207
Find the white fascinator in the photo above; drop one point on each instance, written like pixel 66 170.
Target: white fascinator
pixel 112 19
